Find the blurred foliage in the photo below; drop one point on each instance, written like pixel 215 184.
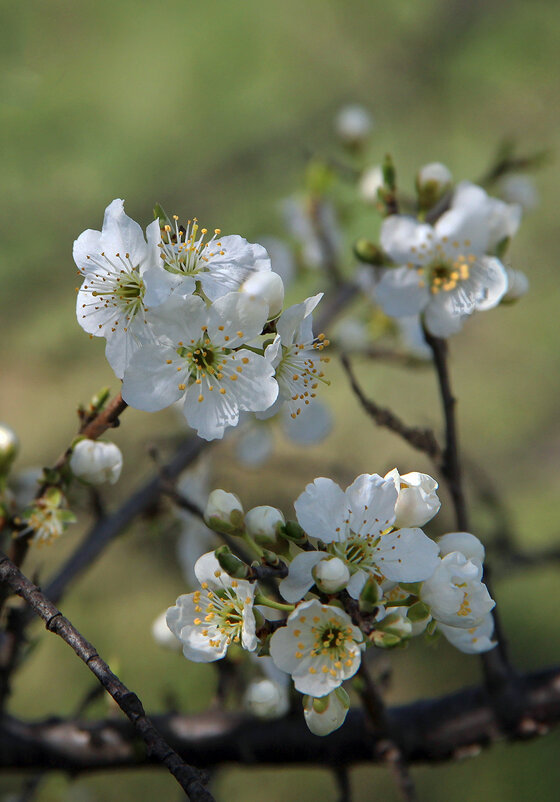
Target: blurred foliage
pixel 211 109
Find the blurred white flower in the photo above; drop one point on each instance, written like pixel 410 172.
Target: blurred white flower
pixel 353 124
pixel 371 182
pixel 163 635
pixel 266 699
pixel 521 189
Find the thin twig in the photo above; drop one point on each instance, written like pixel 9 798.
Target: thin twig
pixel 450 465
pixel 92 429
pixel 498 672
pixel 423 439
pixel 188 777
pixel 387 746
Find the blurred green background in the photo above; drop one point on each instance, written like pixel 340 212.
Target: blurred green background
pixel 211 108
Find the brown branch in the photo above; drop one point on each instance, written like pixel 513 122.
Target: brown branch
pixel 428 731
pixel 187 777
pixel 100 536
pixel 92 428
pixel 419 438
pixel 498 671
pixel 386 745
pixel 108 529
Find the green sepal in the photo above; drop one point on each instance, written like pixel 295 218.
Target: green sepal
pixel 411 587
pixel 231 564
pixel 385 640
pixel 291 530
pixel 367 251
pixel 418 612
pixel 389 173
pixel 370 596
pixel 98 401
pixel 161 215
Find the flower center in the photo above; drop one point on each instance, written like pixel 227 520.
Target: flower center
pixel 185 251
pixel 117 287
pixel 224 610
pixel 358 551
pixel 330 640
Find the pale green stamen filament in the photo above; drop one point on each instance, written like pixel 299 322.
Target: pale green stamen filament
pixel 185 251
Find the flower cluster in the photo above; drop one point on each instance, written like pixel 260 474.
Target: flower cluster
pixel 360 573
pixel 446 270
pixel 195 318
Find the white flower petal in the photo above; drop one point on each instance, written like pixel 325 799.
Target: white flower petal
pixel 322 510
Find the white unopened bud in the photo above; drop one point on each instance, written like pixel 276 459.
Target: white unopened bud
pixel 268 286
pixel 326 714
pixel 224 512
pixel 370 184
pixel 163 635
pixel 417 502
pixel 353 125
pixel 518 286
pixel 263 524
pixel 9 447
pixel 467 544
pixel 331 575
pixel 95 462
pixel 266 699
pixel 436 174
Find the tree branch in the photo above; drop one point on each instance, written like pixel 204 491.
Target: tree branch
pixel 498 671
pixel 428 731
pixel 188 777
pixel 421 439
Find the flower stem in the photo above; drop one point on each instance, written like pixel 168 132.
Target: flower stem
pixel 260 598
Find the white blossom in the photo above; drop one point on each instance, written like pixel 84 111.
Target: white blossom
pixel 9 447
pixel 263 524
pixel 518 285
pixel 371 182
pixel 473 640
pixel 319 647
pixel 163 635
pixel 331 575
pixel 96 461
pixel 201 357
pixel 326 714
pixel 417 502
pixel 469 545
pixel 48 517
pixel 353 124
pixel 268 286
pixel 220 264
pixel 455 593
pixel 297 356
pixel 520 189
pixel 445 273
pixel 223 510
pixel 209 620
pixel 358 526
pixel 122 278
pixel 266 699
pixel 435 174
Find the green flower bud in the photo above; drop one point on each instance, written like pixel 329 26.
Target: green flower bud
pixel 231 564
